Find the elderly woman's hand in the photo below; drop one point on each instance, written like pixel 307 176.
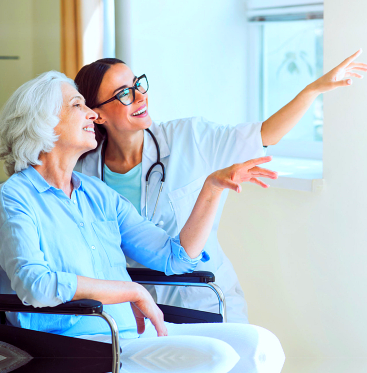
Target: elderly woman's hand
pixel 232 177
pixel 145 307
pixel 336 77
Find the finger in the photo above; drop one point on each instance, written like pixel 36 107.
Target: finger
pixel 254 162
pixel 259 182
pixel 343 83
pixel 357 66
pixel 229 184
pixel 140 324
pixel 349 69
pixel 354 74
pixel 259 174
pixel 264 171
pixel 158 323
pixel 161 330
pixel 350 59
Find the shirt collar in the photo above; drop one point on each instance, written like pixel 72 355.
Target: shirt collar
pixel 77 183
pixel 42 185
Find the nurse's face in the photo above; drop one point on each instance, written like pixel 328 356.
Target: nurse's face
pixel 114 115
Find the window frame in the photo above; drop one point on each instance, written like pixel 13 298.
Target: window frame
pixel 285 148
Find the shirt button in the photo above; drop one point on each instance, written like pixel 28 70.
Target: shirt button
pixel 93 247
pixel 75 201
pixel 81 224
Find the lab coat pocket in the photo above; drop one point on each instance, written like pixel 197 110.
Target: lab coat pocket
pixel 183 200
pixel 109 236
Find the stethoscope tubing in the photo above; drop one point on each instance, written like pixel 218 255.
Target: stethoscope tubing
pixel 147 177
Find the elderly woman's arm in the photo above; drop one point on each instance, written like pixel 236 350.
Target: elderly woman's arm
pixel 112 292
pixel 24 263
pixel 38 285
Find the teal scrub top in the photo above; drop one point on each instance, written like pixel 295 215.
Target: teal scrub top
pixel 127 185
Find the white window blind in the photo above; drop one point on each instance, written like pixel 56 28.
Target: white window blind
pixel 260 4
pixel 287 13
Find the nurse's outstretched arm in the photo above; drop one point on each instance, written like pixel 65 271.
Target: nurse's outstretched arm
pixel 196 231
pixel 278 125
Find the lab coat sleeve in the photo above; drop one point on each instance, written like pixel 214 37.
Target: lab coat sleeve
pixel 151 246
pixel 223 146
pixel 23 261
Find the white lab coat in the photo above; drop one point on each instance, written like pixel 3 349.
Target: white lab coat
pixel 191 149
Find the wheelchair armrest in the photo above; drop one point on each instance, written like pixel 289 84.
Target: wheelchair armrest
pixel 11 302
pixel 148 276
pixel 151 276
pixel 89 307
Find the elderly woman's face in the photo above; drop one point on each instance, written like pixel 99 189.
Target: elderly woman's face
pixel 76 127
pixel 115 114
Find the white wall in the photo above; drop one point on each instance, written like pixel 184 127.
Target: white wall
pixel 29 29
pixel 16 34
pixel 193 55
pixel 301 257
pixel 46 36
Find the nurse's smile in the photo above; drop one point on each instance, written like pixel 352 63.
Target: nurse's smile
pixel 141 112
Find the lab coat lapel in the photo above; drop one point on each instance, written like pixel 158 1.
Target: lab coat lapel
pixel 150 157
pixel 91 165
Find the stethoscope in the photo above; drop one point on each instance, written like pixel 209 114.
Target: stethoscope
pixel 147 177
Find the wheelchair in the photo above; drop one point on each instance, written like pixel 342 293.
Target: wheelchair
pixel 49 352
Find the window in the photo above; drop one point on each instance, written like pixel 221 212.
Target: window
pixel 108 28
pixel 286 55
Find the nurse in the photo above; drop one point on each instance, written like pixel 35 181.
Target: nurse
pixel 185 152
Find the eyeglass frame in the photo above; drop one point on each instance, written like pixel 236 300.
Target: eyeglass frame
pixel 133 90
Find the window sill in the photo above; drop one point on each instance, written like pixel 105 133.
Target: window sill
pixel 297 174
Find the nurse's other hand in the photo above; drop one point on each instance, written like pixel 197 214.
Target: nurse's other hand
pixel 232 177
pixel 145 307
pixel 337 76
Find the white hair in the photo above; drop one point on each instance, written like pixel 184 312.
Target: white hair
pixel 28 119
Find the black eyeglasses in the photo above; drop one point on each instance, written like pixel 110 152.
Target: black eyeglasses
pixel 127 95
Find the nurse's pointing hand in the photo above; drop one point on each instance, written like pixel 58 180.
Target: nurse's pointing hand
pixel 232 177
pixel 337 76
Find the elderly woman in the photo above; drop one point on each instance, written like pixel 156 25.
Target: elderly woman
pixel 64 235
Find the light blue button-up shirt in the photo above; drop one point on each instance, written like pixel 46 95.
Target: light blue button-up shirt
pixel 47 239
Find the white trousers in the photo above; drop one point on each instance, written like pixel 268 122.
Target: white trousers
pixel 199 348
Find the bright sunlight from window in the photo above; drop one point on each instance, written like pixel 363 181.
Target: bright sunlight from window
pixel 292 57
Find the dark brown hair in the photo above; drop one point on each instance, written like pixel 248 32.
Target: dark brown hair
pixel 88 81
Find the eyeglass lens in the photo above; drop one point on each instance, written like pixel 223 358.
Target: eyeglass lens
pixel 126 95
